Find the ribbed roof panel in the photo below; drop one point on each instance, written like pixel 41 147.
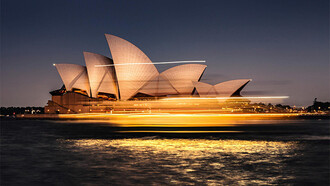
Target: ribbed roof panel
pixel 182 77
pixel 202 88
pixel 101 79
pixel 158 87
pixel 227 88
pixel 131 74
pixel 74 76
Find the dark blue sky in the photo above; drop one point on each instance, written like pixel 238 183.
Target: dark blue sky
pixel 282 45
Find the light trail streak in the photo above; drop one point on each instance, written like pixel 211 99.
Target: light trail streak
pixel 178 131
pixel 265 97
pixel 155 63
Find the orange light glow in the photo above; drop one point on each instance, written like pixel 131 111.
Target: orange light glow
pixel 232 98
pixel 178 120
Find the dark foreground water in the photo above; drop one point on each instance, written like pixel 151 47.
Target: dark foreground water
pixel 74 153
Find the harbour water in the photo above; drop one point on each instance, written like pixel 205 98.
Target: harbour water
pixel 268 152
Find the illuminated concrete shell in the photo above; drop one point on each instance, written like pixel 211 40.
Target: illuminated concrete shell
pixel 224 89
pixel 133 67
pixel 228 88
pixel 182 77
pixel 158 87
pixel 132 72
pixel 204 89
pixel 74 76
pixel 101 79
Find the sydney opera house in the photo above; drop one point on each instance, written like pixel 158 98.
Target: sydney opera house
pixel 131 82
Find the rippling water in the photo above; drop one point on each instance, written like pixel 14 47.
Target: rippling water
pixel 76 153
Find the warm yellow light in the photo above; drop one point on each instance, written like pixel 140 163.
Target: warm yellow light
pixel 210 98
pixel 177 131
pixel 185 157
pixel 181 120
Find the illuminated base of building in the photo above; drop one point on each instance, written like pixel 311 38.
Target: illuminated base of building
pixel 76 103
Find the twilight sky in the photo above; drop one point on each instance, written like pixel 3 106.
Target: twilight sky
pixel 283 45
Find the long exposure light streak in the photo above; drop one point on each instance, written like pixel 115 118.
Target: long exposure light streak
pixel 179 131
pixel 154 63
pixel 265 97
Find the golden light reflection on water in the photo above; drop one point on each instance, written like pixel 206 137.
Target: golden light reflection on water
pixel 192 146
pixel 198 160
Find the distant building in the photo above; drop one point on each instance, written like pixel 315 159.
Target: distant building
pixel 318 106
pixel 105 83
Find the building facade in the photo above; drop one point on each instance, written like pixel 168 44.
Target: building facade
pixel 130 81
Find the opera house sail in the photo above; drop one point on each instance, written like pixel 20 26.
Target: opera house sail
pixel 74 76
pixel 224 89
pixel 100 79
pixel 130 81
pixel 132 66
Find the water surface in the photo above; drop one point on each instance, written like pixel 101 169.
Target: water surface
pixel 94 153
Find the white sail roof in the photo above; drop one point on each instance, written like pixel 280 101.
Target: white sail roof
pixel 228 88
pixel 158 87
pixel 224 89
pixel 103 78
pixel 131 72
pixel 182 77
pixel 203 89
pixel 74 76
pixel 133 67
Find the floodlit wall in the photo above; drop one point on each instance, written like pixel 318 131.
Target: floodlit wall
pixel 133 67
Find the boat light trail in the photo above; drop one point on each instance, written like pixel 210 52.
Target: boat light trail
pixel 155 63
pixel 265 97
